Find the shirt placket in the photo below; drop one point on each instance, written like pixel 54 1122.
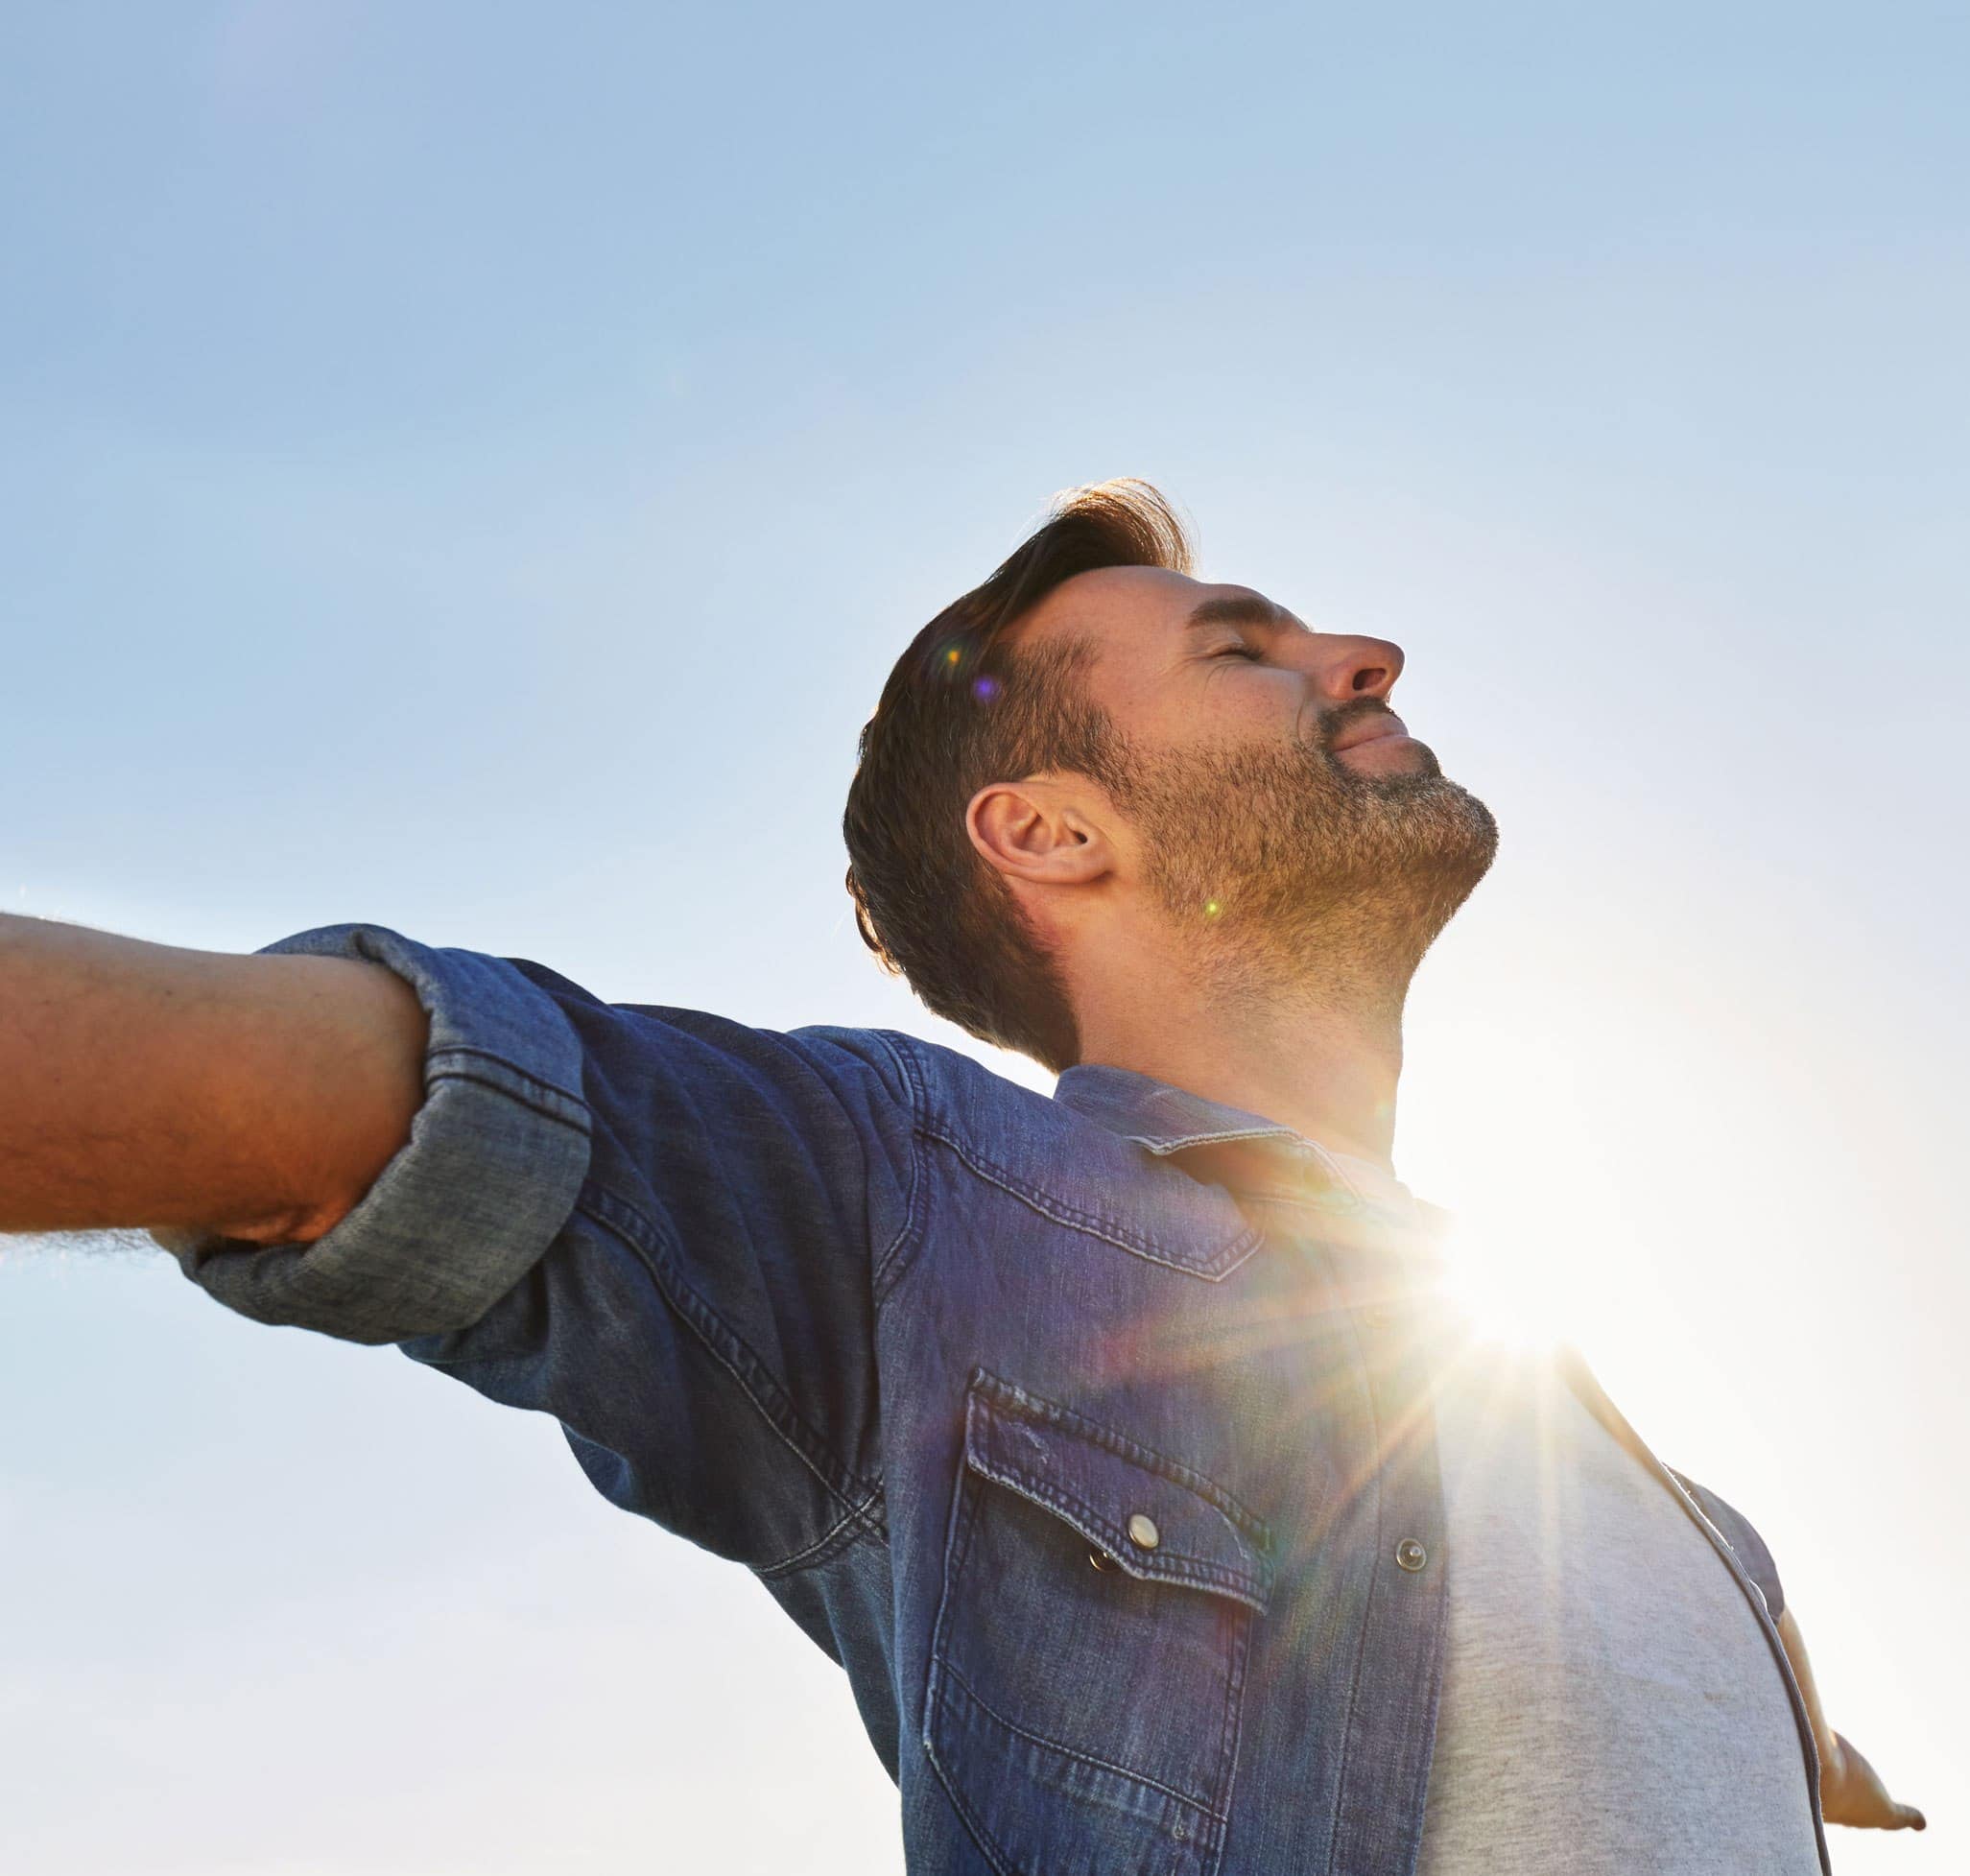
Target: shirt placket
pixel 1397 1682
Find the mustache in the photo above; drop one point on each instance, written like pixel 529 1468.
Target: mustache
pixel 1343 716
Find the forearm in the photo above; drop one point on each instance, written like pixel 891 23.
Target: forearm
pixel 1809 1691
pixel 143 1084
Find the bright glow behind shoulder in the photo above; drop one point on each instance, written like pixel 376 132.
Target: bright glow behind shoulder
pixel 1510 1290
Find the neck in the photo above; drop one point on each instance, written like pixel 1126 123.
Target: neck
pixel 1320 1053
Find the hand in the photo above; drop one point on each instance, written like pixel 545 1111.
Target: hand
pixel 1851 1793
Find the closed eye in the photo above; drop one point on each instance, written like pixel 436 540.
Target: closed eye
pixel 1246 652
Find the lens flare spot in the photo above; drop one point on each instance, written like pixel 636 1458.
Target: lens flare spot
pixel 1212 908
pixel 984 689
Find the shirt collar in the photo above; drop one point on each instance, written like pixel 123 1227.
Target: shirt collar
pixel 1275 1164
pixel 1157 1117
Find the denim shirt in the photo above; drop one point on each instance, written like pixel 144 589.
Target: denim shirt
pixel 1112 1487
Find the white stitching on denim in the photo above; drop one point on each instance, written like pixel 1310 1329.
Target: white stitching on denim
pixel 787 1564
pixel 1227 1259
pixel 1168 1567
pixel 934 1704
pixel 995 1390
pixel 1160 1145
pixel 880 1281
pixel 1086 1758
pixel 717 1355
pixel 531 1084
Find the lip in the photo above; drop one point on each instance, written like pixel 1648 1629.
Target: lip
pixel 1377 729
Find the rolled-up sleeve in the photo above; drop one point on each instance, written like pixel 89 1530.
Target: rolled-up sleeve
pixel 497 1155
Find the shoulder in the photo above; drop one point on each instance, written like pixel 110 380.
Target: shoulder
pixel 836 1055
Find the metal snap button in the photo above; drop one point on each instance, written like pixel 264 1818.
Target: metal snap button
pixel 1409 1555
pixel 1102 1560
pixel 1143 1531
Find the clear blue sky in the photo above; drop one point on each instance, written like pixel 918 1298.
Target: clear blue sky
pixel 470 468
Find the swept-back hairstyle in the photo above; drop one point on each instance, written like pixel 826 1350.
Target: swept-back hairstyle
pixel 961 709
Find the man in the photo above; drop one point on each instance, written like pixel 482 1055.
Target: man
pixel 1120 1445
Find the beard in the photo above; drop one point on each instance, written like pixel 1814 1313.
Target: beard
pixel 1285 866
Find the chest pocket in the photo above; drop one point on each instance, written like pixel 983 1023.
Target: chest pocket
pixel 1088 1662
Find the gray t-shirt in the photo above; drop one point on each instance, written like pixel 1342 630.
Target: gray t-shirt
pixel 1610 1700
pixel 1610 1703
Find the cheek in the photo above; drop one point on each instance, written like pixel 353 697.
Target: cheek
pixel 1248 704
pixel 1236 704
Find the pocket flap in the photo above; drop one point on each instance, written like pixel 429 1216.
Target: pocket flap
pixel 1098 1481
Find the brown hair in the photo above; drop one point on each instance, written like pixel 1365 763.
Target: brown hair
pixel 961 709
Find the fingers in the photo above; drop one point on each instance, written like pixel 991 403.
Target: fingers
pixel 1852 1792
pixel 1889 1817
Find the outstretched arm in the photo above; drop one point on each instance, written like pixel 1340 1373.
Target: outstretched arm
pixel 142 1085
pixel 1850 1789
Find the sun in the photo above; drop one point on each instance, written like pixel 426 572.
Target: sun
pixel 1508 1290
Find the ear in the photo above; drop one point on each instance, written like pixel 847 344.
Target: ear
pixel 1040 831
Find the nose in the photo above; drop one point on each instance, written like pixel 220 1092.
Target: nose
pixel 1359 667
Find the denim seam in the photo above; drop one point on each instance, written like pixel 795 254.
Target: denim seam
pixel 515 1095
pixel 1164 1144
pixel 936 1701
pixel 781 1415
pixel 994 1390
pixel 1361 1641
pixel 1234 1716
pixel 959 1525
pixel 444 1050
pixel 1189 1800
pixel 1228 1258
pixel 1808 1741
pixel 892 1266
pixel 856 1523
pixel 1758 1564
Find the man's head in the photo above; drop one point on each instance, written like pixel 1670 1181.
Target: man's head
pixel 1094 735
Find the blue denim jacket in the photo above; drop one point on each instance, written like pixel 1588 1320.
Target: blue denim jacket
pixel 1112 1490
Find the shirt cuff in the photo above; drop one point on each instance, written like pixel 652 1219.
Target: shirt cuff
pixel 486 1180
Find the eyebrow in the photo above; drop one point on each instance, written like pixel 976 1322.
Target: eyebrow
pixel 1236 610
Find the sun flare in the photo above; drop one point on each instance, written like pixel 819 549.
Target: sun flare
pixel 1508 1291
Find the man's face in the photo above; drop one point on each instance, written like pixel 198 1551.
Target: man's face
pixel 1276 796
